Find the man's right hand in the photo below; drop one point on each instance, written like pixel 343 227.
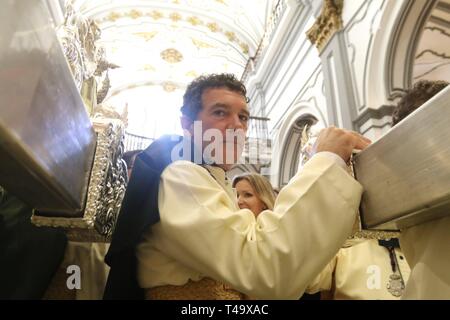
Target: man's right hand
pixel 340 141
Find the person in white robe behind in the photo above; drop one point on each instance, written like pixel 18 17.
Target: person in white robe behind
pixel 426 246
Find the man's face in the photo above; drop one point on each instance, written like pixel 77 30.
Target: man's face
pixel 226 112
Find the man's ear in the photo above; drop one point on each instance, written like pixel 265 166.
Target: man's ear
pixel 187 124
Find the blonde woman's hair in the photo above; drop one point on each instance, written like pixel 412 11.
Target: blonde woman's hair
pixel 263 189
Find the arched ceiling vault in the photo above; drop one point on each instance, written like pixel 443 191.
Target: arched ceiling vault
pixel 168 43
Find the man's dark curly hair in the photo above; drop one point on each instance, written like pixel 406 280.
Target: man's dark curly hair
pixel 192 99
pixel 420 93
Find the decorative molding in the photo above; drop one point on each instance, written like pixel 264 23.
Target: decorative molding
pixel 432 59
pixel 269 31
pixel 401 52
pixel 439 21
pixel 370 113
pixel 290 154
pixel 433 53
pixel 171 55
pixel 276 70
pixel 341 98
pixel 169 86
pixel 431 70
pixel 303 98
pixel 442 31
pixel 357 48
pixel 327 24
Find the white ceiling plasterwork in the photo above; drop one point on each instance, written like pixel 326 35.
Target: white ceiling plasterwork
pixel 162 45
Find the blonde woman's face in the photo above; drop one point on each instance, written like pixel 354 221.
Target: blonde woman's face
pixel 247 198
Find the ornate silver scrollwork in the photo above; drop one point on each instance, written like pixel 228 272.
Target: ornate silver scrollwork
pixel 106 189
pixel 87 59
pixel 108 193
pixel 73 52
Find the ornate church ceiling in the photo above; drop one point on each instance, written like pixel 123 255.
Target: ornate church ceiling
pixel 161 45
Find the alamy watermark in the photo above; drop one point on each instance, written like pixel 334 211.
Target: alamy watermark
pixel 74 280
pixel 374 279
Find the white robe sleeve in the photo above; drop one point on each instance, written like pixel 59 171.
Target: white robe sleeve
pixel 427 250
pixel 272 257
pixel 324 281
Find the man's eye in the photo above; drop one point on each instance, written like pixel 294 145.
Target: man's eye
pixel 243 118
pixel 219 113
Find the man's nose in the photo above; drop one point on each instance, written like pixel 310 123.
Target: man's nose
pixel 236 123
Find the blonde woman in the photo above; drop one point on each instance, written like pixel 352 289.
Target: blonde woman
pixel 254 192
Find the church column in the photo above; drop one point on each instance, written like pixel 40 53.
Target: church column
pixel 327 36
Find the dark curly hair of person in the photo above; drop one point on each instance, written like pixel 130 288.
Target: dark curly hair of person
pixel 420 93
pixel 192 99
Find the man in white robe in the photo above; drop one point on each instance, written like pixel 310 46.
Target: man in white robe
pixel 203 234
